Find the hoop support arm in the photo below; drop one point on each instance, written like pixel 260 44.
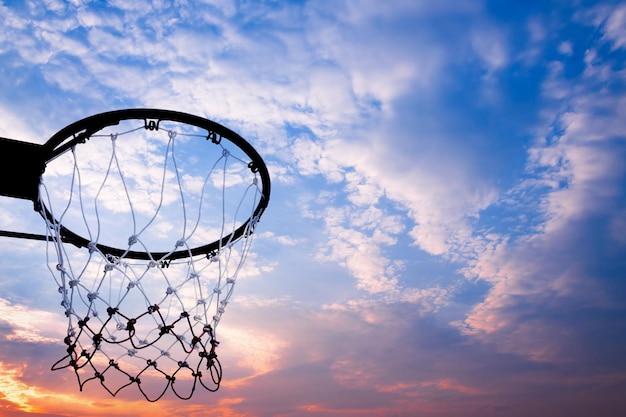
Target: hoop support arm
pixel 21 167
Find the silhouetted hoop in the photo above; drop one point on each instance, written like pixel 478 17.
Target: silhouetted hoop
pixel 81 131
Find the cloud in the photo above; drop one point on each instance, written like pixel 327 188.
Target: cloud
pixel 367 360
pixel 284 358
pixel 30 325
pixel 412 145
pixel 21 395
pixel 490 47
pixel 615 27
pixel 551 288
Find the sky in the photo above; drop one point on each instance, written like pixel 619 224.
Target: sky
pixel 446 229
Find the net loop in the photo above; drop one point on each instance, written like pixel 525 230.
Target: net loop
pixel 214 138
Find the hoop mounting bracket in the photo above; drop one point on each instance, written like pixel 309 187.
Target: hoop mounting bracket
pixel 21 167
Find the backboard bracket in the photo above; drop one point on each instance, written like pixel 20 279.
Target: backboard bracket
pixel 21 167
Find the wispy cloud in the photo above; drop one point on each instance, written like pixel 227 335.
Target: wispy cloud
pixel 28 325
pixel 446 229
pixel 577 175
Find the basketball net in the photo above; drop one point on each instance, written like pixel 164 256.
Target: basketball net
pixel 147 316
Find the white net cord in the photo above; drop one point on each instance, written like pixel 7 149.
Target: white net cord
pixel 147 323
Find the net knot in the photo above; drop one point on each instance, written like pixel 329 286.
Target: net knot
pixel 254 221
pixel 92 296
pixel 92 246
pixel 180 243
pixel 113 137
pixel 108 267
pixel 165 330
pixel 152 264
pixel 111 311
pixel 132 240
pixel 225 153
pixel 170 291
pixel 131 324
pixel 217 290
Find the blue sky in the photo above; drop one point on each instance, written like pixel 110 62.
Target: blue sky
pixel 446 232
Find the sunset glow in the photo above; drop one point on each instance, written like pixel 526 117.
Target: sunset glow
pixel 445 234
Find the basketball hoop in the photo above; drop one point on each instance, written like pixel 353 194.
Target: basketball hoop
pixel 149 218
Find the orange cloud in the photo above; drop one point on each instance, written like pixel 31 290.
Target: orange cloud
pixel 447 384
pixel 313 408
pixel 17 395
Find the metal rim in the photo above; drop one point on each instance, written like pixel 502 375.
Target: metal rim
pixel 80 131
